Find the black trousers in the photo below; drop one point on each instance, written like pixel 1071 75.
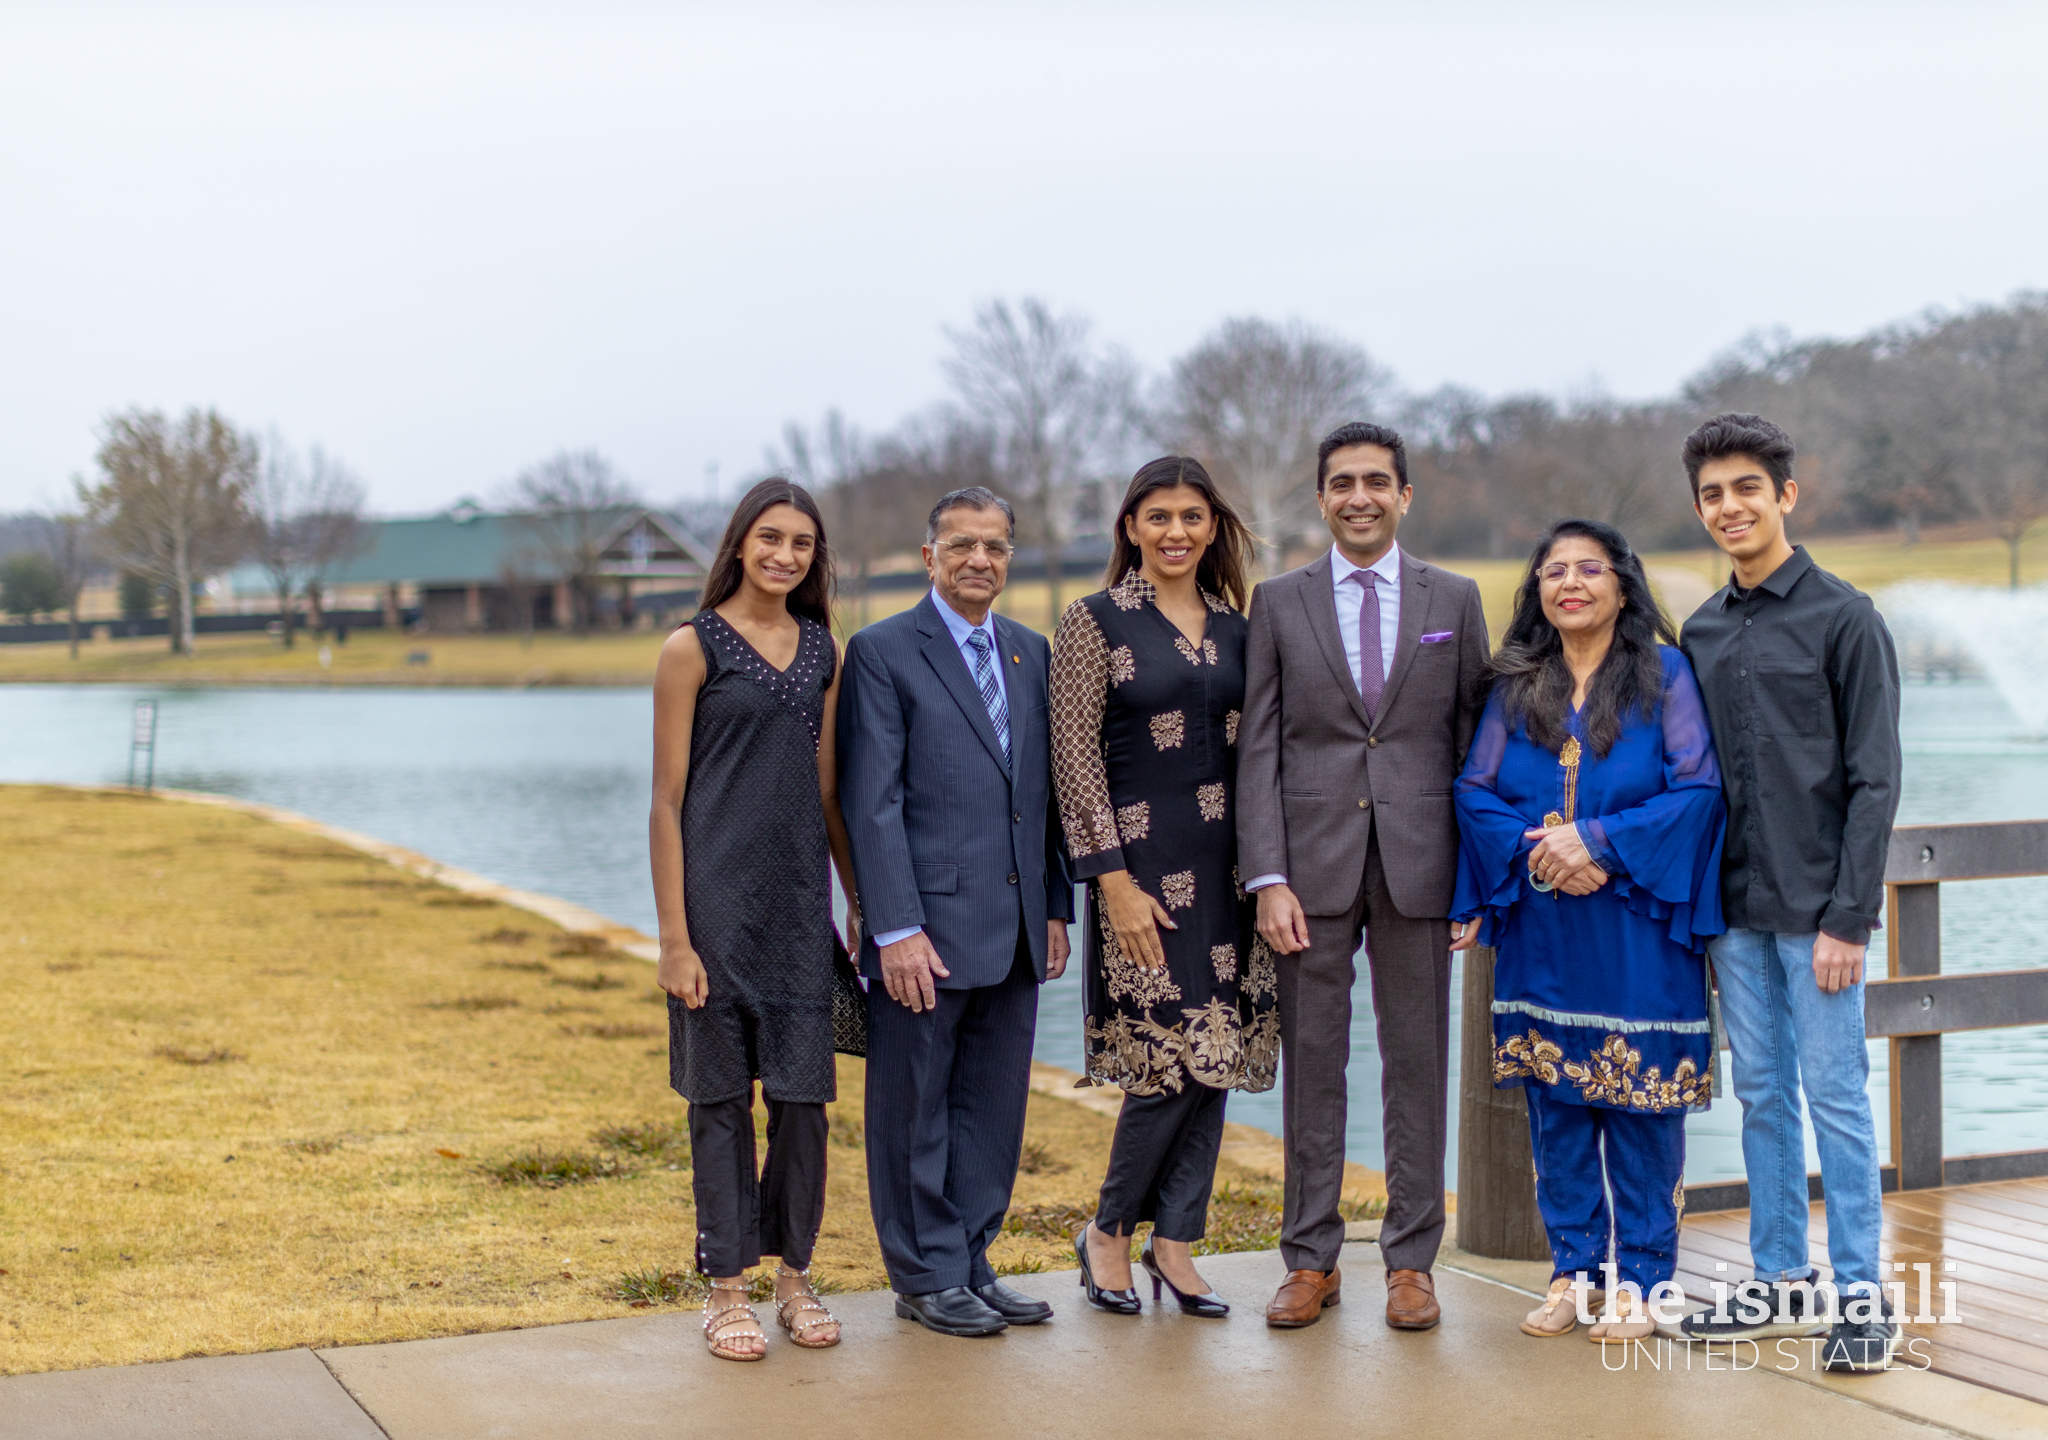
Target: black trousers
pixel 1411 999
pixel 742 1216
pixel 946 1092
pixel 1162 1164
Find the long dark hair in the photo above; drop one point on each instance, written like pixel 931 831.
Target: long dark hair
pixel 812 597
pixel 1223 565
pixel 1529 669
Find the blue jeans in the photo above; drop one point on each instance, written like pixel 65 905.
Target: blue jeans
pixel 1783 1030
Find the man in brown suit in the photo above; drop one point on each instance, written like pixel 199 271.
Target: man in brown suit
pixel 1364 675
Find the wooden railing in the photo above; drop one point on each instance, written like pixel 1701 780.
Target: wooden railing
pixel 1913 1006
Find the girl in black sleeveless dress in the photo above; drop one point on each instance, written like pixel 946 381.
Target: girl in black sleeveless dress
pixel 742 828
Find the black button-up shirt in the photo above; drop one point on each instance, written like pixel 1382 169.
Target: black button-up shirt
pixel 1802 686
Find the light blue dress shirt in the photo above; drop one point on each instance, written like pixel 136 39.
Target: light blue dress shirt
pixel 960 627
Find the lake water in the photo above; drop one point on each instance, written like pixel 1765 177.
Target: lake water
pixel 548 790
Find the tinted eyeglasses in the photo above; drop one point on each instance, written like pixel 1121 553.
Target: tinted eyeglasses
pixel 959 548
pixel 1589 571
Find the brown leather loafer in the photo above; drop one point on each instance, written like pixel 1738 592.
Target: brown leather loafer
pixel 1302 1298
pixel 1411 1300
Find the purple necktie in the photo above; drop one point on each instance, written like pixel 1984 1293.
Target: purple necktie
pixel 1372 672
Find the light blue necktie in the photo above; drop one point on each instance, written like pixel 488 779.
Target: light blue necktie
pixel 991 693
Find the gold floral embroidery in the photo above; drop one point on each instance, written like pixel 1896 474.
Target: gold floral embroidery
pixel 1131 592
pixel 1124 977
pixel 1178 889
pixel 1209 650
pixel 1215 1044
pixel 1237 883
pixel 1224 959
pixel 1188 652
pixel 1169 730
pixel 1261 976
pixel 1122 666
pixel 1215 604
pixel 1678 1197
pixel 1098 834
pixel 1610 1077
pixel 1230 721
pixel 1139 1057
pixel 1134 822
pixel 1210 798
pixel 1532 1056
pixel 1262 1053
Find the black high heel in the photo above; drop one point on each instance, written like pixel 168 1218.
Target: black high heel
pixel 1116 1302
pixel 1209 1307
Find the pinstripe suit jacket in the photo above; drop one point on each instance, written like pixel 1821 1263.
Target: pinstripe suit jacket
pixel 944 834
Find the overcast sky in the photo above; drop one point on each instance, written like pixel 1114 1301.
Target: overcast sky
pixel 445 241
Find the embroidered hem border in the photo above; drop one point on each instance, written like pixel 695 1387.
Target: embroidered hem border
pixel 1611 1073
pixel 1585 1021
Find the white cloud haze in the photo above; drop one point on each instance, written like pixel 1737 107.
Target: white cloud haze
pixel 444 241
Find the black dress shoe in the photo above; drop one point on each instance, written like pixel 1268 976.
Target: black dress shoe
pixel 1210 1306
pixel 1013 1305
pixel 954 1311
pixel 1116 1302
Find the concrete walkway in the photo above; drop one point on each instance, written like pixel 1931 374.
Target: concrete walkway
pixel 1082 1374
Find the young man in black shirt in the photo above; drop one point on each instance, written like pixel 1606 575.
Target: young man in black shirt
pixel 1802 686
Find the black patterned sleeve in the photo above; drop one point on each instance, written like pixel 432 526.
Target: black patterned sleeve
pixel 1080 696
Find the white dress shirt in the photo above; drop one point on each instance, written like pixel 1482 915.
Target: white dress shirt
pixel 1347 582
pixel 960 628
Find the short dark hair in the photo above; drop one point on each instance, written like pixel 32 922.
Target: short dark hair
pixel 1362 432
pixel 972 497
pixel 1734 433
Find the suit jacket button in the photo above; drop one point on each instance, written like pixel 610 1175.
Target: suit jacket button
pixel 1017 819
pixel 1361 804
pixel 1013 878
pixel 1372 742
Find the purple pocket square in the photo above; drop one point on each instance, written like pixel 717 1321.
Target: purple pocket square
pixel 1436 637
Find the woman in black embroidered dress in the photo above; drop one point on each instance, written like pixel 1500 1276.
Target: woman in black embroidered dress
pixel 744 697
pixel 1147 685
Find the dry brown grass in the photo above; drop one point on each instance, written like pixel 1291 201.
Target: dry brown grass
pixel 228 1124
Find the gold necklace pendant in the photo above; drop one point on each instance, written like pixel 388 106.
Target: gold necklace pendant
pixel 1568 761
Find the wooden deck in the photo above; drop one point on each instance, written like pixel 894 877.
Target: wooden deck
pixel 1996 1236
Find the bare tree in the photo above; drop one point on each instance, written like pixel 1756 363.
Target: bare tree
pixel 570 505
pixel 307 517
pixel 1032 380
pixel 1254 399
pixel 68 544
pixel 172 504
pixel 1996 360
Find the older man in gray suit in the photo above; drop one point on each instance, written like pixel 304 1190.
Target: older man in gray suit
pixel 1364 675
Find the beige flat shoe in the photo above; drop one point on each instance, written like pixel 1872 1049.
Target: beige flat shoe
pixel 1557 1315
pixel 1624 1324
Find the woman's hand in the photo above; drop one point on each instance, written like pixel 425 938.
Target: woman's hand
pixel 853 930
pixel 1584 881
pixel 1135 917
pixel 680 971
pixel 1559 853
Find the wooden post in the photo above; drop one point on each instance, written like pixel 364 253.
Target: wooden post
pixel 1915 949
pixel 1497 1215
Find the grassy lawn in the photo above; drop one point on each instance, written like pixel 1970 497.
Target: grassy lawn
pixel 376 657
pixel 260 1090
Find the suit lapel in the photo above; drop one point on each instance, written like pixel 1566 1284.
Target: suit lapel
pixel 1320 601
pixel 945 658
pixel 1414 608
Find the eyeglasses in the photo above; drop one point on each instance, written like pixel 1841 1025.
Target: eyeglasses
pixel 1589 570
pixel 960 548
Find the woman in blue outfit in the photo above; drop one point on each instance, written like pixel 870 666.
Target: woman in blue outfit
pixel 1590 822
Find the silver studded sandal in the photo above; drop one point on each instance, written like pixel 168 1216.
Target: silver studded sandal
pixel 791 1312
pixel 721 1341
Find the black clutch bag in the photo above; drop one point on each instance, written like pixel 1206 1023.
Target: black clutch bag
pixel 849 1004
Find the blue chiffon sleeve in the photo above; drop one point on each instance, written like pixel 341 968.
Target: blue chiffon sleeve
pixel 1491 845
pixel 1669 847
